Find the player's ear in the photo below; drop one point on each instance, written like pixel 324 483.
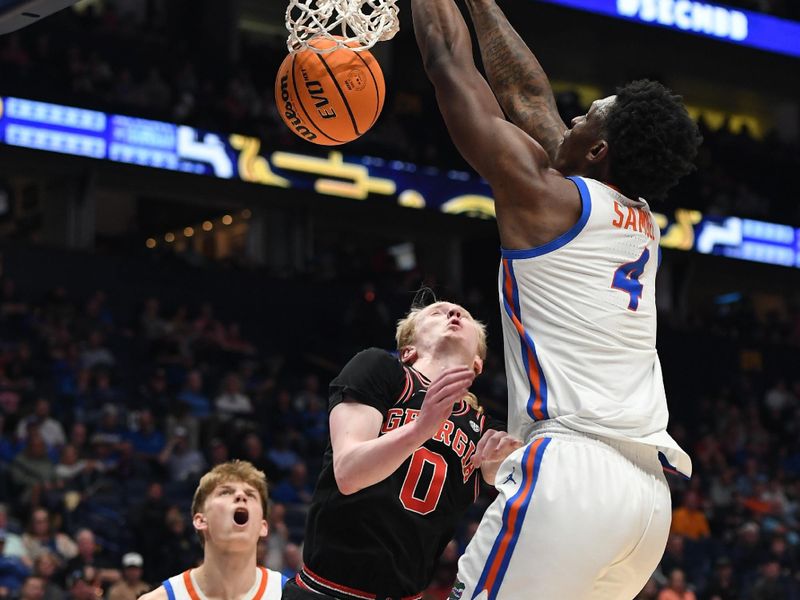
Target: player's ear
pixel 408 355
pixel 598 151
pixel 477 365
pixel 264 529
pixel 199 521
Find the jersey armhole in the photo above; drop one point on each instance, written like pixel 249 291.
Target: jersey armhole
pixel 170 592
pixel 566 237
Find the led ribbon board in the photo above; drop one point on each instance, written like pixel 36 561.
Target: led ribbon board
pixel 742 27
pixel 160 145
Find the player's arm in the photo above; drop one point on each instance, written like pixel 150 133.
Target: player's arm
pixel 361 458
pixel 534 203
pixel 157 594
pixel 516 77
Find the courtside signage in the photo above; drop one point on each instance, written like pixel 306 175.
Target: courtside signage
pixel 159 145
pixel 742 27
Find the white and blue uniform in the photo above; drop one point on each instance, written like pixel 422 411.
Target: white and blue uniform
pixel 583 510
pixel 268 586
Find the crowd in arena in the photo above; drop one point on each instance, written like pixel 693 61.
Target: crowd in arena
pixel 112 406
pixel 109 415
pixel 86 59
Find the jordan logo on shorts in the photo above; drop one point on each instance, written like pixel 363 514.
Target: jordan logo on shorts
pixel 510 477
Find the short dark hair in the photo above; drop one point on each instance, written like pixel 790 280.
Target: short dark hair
pixel 652 139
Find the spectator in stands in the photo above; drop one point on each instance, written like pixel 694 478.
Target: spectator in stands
pixel 90 555
pixel 232 402
pixel 183 463
pixel 131 586
pixel 42 536
pixel 95 354
pixel 292 560
pixel 51 430
pixel 154 395
pixel 32 589
pixel 32 471
pixel 192 394
pixel 296 489
pixel 12 570
pixel 723 584
pixel 148 442
pixel 82 584
pixel 13 543
pixel 179 549
pixel 218 452
pixel 688 520
pixel 773 585
pixel 45 566
pixel 253 452
pixel 676 588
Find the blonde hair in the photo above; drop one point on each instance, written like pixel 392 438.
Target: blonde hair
pixel 407 330
pixel 235 470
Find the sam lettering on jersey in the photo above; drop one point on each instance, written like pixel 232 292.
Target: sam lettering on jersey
pixel 449 435
pixel 633 218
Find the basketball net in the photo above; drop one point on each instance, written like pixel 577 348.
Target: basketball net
pixel 365 22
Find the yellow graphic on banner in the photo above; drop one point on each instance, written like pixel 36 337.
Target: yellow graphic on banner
pixel 352 181
pixel 680 235
pixel 471 205
pixel 253 167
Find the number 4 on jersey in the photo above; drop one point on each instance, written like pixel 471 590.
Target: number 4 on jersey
pixel 626 279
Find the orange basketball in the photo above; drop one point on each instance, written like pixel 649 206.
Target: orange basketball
pixel 331 98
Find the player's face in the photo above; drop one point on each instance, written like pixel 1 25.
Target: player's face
pixel 447 321
pixel 232 516
pixel 581 139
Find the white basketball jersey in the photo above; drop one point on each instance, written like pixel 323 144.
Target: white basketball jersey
pixel 579 326
pixel 268 586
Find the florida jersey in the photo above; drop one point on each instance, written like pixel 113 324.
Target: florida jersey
pixel 579 327
pixel 268 586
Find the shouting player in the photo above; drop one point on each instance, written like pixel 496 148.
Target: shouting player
pixel 583 509
pixel 229 513
pixel 397 474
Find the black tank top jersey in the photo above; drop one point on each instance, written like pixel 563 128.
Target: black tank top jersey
pixel 384 540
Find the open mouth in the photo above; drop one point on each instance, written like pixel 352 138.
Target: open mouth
pixel 240 516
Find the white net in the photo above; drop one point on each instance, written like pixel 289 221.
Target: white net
pixel 365 22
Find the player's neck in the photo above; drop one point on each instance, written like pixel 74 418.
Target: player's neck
pixel 226 575
pixel 431 366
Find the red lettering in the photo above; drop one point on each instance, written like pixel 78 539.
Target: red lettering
pixel 411 415
pixel 467 467
pixel 618 221
pixel 460 443
pixel 393 418
pixel 445 433
pixel 630 222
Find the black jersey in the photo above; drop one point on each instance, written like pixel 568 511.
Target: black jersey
pixel 384 540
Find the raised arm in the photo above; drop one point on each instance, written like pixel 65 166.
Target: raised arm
pixel 534 203
pixel 516 77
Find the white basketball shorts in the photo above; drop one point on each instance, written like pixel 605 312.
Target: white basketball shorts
pixel 577 518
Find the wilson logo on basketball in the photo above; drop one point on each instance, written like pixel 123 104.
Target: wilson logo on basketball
pixel 290 113
pixel 316 91
pixel 355 81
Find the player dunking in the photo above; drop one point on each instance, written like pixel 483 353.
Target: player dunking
pixel 586 511
pixel 229 513
pixel 397 474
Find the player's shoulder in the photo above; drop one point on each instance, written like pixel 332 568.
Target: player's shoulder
pixel 375 360
pixel 160 593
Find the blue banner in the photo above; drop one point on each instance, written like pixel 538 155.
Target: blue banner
pixel 160 145
pixel 742 27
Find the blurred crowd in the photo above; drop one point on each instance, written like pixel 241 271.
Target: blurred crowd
pixel 108 415
pixel 139 58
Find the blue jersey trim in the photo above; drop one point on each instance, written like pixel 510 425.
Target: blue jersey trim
pixel 284 579
pixel 170 592
pixel 566 237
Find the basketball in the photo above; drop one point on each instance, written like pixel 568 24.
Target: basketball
pixel 331 98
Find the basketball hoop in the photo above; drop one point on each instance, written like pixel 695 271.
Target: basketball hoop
pixel 354 24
